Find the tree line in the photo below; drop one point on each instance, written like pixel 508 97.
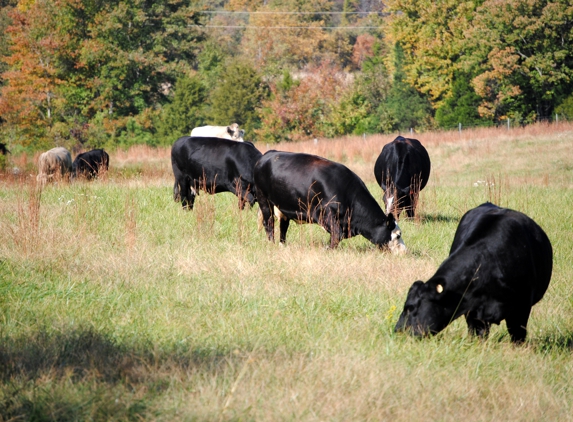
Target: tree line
pixel 92 73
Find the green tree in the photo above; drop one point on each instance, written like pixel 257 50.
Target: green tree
pixel 406 106
pixel 565 109
pixel 372 87
pixel 236 98
pixel 461 106
pixel 184 112
pixel 432 35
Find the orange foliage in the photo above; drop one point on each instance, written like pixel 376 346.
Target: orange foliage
pixel 30 95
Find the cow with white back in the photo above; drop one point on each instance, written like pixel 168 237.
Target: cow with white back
pixel 90 164
pixel 54 164
pixel 402 170
pixel 311 189
pixel 213 165
pixel 499 266
pixel 231 132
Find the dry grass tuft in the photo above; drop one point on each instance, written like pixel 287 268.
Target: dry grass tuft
pixel 25 233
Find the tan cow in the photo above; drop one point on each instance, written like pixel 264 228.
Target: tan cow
pixel 231 132
pixel 54 164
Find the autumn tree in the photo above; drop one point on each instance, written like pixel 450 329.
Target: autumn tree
pixel 522 51
pixel 517 53
pixel 74 60
pixel 432 35
pixel 271 44
pixel 302 110
pixel 30 96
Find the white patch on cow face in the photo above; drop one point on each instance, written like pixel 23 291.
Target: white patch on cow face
pixel 439 288
pixel 396 244
pixel 389 205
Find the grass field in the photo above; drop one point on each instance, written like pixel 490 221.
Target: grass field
pixel 115 304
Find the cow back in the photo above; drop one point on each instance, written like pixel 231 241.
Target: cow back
pixel 308 188
pixel 514 247
pixel 400 161
pixel 214 157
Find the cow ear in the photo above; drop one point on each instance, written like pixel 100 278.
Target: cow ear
pixel 229 130
pixel 416 289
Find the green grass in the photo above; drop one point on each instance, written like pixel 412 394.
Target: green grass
pixel 115 304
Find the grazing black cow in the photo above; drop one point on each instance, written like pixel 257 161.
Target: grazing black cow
pixel 213 165
pixel 499 266
pixel 3 149
pixel 402 170
pixel 90 164
pixel 311 189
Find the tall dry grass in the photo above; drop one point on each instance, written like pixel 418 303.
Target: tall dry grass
pixel 117 304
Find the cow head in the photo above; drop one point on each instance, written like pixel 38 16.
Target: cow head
pixel 429 308
pixel 235 133
pixel 389 235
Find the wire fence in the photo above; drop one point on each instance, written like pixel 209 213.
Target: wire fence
pixel 508 123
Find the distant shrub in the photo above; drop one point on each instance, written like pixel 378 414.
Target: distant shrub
pixel 565 109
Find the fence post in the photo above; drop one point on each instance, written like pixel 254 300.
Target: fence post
pixel 556 118
pixel 508 123
pixel 460 127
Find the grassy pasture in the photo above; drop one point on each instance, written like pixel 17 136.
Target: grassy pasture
pixel 117 305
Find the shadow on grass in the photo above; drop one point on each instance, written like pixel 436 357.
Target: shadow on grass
pixel 83 374
pixel 85 352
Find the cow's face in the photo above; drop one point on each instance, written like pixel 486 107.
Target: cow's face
pixel 235 133
pixel 389 235
pixel 426 310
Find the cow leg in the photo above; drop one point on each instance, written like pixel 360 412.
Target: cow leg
pixel 176 192
pixel 413 202
pixel 477 327
pixel 332 226
pixel 267 217
pixel 187 193
pixel 284 223
pixel 516 325
pixel 410 211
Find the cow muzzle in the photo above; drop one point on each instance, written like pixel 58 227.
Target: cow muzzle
pixel 396 244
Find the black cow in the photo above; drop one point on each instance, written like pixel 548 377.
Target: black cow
pixel 213 165
pixel 3 149
pixel 90 164
pixel 499 266
pixel 402 170
pixel 311 189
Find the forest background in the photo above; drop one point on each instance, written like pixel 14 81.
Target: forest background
pixel 92 73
